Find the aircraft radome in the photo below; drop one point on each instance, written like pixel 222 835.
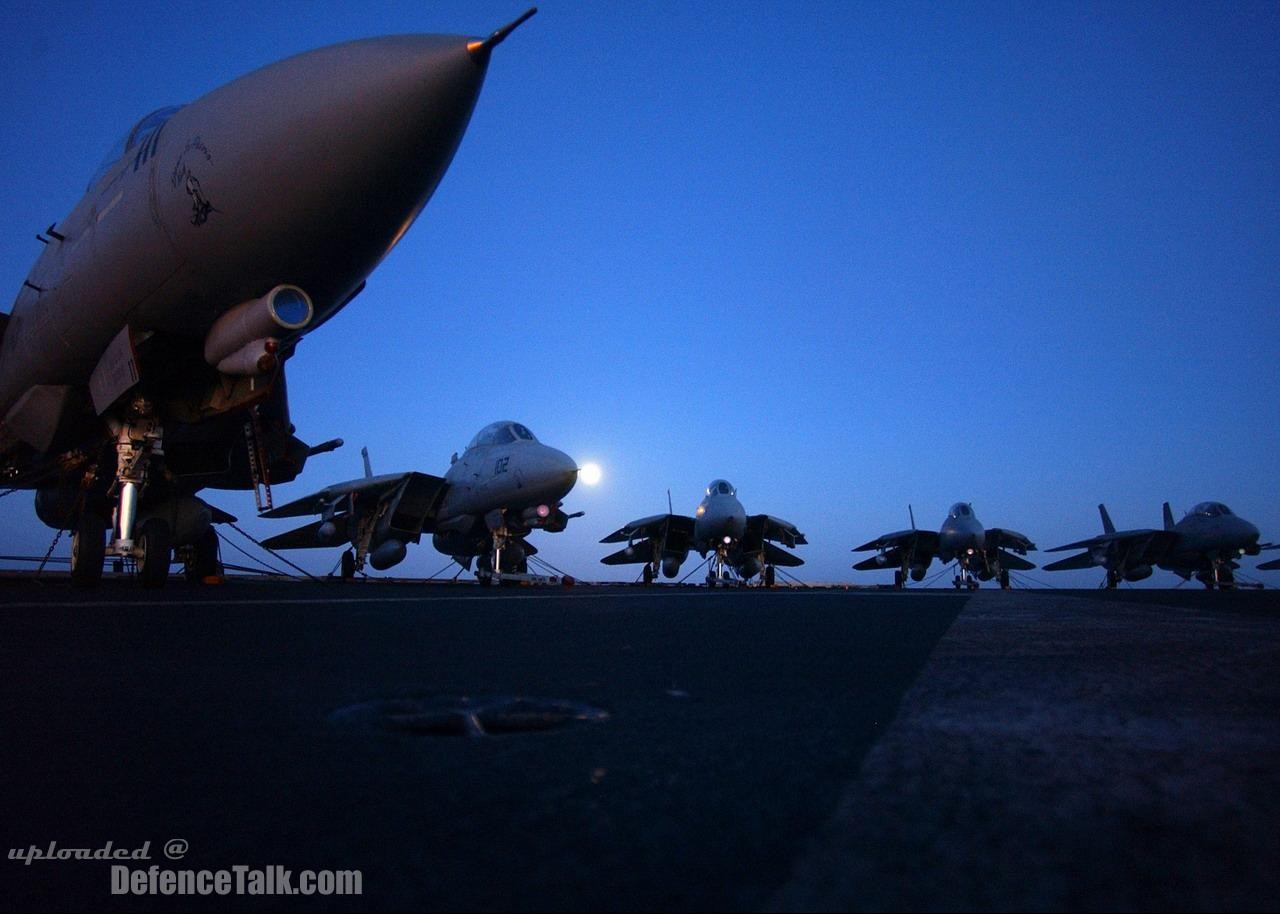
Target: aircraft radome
pixel 144 356
pixel 720 526
pixel 1204 544
pixel 980 553
pixel 505 485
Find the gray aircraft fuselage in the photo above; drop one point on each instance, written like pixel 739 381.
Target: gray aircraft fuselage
pixel 719 520
pixel 721 526
pixel 1204 544
pixel 981 554
pixel 143 358
pixel 505 485
pixel 1208 535
pixel 509 475
pixel 305 172
pixel 961 535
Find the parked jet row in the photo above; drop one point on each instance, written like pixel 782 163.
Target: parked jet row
pixel 144 356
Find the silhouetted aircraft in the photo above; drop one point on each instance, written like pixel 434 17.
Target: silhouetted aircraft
pixel 144 356
pixel 720 526
pixel 982 554
pixel 1203 545
pixel 505 485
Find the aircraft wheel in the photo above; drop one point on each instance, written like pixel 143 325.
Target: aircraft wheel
pixel 1226 579
pixel 899 580
pixel 956 583
pixel 155 543
pixel 711 579
pixel 1113 580
pixel 768 576
pixel 88 549
pixel 648 573
pixel 203 562
pixel 1004 579
pixel 348 565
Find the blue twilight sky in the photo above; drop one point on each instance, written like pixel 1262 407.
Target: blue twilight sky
pixel 849 256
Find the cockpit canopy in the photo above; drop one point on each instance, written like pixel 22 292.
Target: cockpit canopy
pixel 720 487
pixel 138 134
pixel 961 509
pixel 504 432
pixel 1212 509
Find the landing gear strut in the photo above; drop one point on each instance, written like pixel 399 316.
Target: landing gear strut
pixel 138 440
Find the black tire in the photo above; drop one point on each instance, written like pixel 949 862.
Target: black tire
pixel 155 542
pixel 348 565
pixel 203 562
pixel 769 577
pixel 88 549
pixel 899 580
pixel 1004 579
pixel 648 573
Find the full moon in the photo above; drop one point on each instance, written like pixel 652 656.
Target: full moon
pixel 589 473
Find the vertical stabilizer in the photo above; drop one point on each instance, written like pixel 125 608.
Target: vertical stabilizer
pixel 368 470
pixel 1107 526
pixel 1168 516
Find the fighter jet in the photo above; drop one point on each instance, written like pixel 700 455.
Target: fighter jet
pixel 143 358
pixel 1204 545
pixel 720 525
pixel 980 554
pixel 505 485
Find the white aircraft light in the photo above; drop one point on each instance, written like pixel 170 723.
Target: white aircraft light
pixel 589 473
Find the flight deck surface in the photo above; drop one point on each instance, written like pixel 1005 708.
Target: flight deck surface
pixel 623 748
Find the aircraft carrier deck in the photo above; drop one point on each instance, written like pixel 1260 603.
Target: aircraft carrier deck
pixel 624 749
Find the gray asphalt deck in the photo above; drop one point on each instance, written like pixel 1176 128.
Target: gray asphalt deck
pixel 735 721
pixel 1119 751
pixel 1051 751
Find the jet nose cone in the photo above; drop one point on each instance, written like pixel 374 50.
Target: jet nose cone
pixel 359 133
pixel 555 472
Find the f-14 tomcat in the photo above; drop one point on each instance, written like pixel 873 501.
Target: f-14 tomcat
pixel 720 526
pixel 1205 545
pixel 144 356
pixel 980 553
pixel 505 485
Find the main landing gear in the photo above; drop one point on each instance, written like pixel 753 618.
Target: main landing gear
pixel 1220 576
pixel 966 579
pixel 149 543
pixel 506 558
